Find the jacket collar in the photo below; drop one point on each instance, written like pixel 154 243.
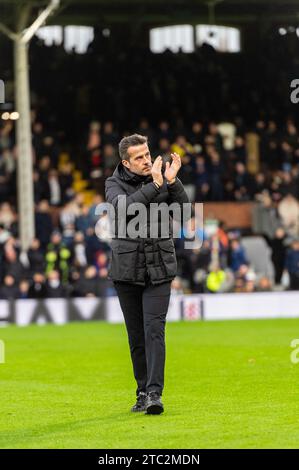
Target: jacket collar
pixel 124 174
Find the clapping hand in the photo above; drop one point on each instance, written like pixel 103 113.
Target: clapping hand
pixel 157 171
pixel 172 169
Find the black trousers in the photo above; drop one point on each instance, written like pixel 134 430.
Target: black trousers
pixel 145 309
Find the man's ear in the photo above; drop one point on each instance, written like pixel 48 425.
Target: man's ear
pixel 126 163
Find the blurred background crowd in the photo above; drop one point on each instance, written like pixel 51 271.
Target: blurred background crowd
pixel 233 126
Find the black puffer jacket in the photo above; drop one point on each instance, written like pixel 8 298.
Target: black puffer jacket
pixel 136 260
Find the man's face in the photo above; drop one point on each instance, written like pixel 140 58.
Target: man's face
pixel 140 160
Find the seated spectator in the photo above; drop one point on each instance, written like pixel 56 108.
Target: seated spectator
pixel 197 135
pixel 164 148
pixel 219 280
pixel 216 170
pixel 11 263
pixel 4 234
pixel 202 179
pixel 164 132
pixel 37 289
pixel 50 148
pixel 237 255
pixel 43 223
pixel 264 284
pixel 288 210
pixel 69 213
pixel 24 289
pixel 250 279
pixel 37 137
pixel 110 158
pixel 109 135
pixel 177 286
pixel 68 234
pixel 54 287
pixel 187 176
pixel 94 244
pixel 181 146
pixel 292 264
pixel 36 257
pixel 88 285
pixel 66 182
pixel 101 264
pixel 9 289
pixel 58 257
pixel 4 182
pixel 249 286
pixel 44 167
pixel 7 215
pixel 243 183
pixel 40 187
pixel 55 191
pixel 80 257
pixel 240 149
pixel 83 220
pixel 97 199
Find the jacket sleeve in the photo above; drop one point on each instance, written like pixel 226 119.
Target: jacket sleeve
pixel 143 195
pixel 177 193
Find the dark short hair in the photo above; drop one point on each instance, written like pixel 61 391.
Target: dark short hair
pixel 129 141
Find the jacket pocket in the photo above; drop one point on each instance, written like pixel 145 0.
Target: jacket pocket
pixel 168 257
pixel 124 259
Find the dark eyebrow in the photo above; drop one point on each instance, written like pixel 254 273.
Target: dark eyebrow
pixel 138 156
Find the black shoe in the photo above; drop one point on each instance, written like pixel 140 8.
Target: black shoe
pixel 140 402
pixel 154 406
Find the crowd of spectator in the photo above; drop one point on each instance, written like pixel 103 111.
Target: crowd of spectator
pixel 214 157
pixel 67 257
pixel 201 105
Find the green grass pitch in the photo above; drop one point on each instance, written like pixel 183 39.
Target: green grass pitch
pixel 228 385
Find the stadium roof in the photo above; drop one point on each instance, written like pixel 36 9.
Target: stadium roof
pixel 155 12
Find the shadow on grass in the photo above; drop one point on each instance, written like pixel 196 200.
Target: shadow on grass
pixel 25 437
pixel 31 436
